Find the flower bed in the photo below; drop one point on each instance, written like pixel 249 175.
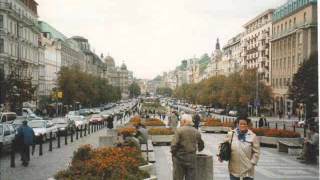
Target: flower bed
pixel 213 122
pixel 105 163
pixel 135 120
pixel 275 133
pixel 153 122
pixel 160 131
pixel 127 131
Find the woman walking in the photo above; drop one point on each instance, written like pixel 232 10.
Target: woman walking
pixel 245 151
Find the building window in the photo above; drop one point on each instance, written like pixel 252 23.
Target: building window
pixel 294 21
pixel 290 24
pixel 1 46
pixel 305 17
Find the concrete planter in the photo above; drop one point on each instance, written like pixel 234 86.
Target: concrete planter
pixel 151 178
pixel 204 167
pixel 274 140
pixel 161 138
pixel 149 168
pixel 226 129
pixel 212 128
pixel 149 127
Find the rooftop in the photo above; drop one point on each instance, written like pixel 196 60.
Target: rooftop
pixel 47 28
pixel 290 7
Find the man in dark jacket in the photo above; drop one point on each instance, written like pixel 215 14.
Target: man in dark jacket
pixel 185 143
pixel 196 120
pixel 110 122
pixel 25 138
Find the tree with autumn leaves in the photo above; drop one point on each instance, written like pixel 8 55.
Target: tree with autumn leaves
pixel 237 90
pixel 304 87
pixel 89 90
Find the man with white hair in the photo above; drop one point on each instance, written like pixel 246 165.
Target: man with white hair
pixel 186 141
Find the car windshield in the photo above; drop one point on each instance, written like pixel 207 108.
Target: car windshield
pixel 36 124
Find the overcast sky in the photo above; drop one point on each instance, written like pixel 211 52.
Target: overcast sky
pixel 152 36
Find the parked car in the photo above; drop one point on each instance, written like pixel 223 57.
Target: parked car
pixel 18 121
pixel 95 119
pixel 43 127
pixel 84 112
pixel 63 124
pixel 7 135
pixel 7 117
pixel 79 121
pixel 233 113
pixel 72 113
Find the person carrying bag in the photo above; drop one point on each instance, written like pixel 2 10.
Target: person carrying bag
pixel 242 152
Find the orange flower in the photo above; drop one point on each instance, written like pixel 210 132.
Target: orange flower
pixel 160 131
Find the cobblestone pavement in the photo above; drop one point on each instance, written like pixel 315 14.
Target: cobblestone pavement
pixel 272 164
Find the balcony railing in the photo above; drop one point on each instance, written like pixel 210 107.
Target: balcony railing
pixel 4 6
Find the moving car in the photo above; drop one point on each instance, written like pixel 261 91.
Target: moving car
pixel 7 135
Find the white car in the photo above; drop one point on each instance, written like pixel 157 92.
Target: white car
pixel 79 120
pixel 233 113
pixel 7 135
pixel 43 127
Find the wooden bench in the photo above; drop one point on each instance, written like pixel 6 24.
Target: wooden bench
pixel 292 148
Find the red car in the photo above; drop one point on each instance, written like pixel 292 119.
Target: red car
pixel 95 119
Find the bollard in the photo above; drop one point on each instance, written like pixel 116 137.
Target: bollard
pixel 50 142
pixel 294 128
pixel 58 138
pixel 77 135
pixel 85 130
pixel 268 124
pixel 66 137
pixel 256 124
pixel 40 145
pixel 12 155
pixel 81 131
pixel 284 126
pixel 88 129
pixel 92 128
pixel 71 135
pixel 276 125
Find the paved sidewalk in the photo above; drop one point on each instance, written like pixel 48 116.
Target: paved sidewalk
pixel 271 166
pixel 44 167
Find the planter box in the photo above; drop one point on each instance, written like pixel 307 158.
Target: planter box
pixel 212 128
pixel 274 140
pixel 152 178
pixel 161 138
pixel 149 168
pixel 226 129
pixel 149 127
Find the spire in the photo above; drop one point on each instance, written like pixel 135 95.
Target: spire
pixel 217 44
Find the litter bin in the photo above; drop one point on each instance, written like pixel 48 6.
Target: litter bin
pixel 204 168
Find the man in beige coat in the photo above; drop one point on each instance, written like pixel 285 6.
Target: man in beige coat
pixel 245 151
pixel 186 141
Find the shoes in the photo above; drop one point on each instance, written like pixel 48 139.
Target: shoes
pixel 300 158
pixel 25 164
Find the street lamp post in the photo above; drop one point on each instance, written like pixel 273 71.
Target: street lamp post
pixel 257 100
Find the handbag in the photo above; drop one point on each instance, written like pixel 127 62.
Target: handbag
pixel 225 150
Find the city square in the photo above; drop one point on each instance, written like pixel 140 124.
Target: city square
pixel 167 90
